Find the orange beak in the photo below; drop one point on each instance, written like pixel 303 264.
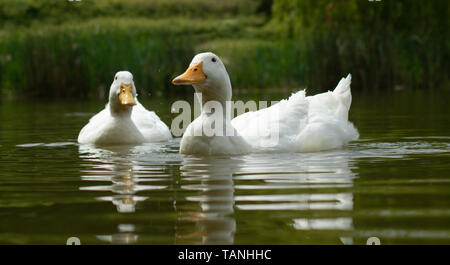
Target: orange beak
pixel 126 94
pixel 193 75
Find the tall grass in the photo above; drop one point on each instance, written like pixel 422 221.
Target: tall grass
pixel 72 49
pixel 80 60
pixel 386 45
pixel 28 12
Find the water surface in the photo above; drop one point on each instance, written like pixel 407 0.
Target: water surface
pixel 393 183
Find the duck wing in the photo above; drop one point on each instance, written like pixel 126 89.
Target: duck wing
pixel 149 124
pixel 300 123
pixel 94 126
pixel 274 128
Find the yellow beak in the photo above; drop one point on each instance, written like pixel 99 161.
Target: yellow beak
pixel 126 94
pixel 193 75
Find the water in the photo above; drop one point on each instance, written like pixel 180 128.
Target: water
pixel 393 183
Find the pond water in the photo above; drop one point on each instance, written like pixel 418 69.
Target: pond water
pixel 393 183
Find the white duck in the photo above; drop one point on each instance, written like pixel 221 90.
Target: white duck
pixel 124 120
pixel 298 124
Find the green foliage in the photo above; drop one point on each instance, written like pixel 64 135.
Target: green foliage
pixel 80 60
pixel 384 44
pixel 72 49
pixel 27 12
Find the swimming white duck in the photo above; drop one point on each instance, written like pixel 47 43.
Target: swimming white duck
pixel 298 124
pixel 124 120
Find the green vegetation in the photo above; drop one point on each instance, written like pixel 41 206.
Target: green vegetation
pixel 72 49
pixel 81 59
pixel 29 12
pixel 387 44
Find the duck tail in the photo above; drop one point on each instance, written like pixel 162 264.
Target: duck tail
pixel 343 92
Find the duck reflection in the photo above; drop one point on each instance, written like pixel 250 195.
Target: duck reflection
pixel 126 235
pixel 316 188
pixel 211 178
pixel 117 166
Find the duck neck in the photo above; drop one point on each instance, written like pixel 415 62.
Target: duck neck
pixel 215 93
pixel 120 111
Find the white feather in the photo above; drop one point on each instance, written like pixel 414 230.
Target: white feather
pixel 298 124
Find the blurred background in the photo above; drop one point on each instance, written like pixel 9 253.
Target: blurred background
pixel 72 49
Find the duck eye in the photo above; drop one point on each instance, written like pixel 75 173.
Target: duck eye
pixel 213 60
pixel 115 77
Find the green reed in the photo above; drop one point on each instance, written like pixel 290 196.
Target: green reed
pixel 62 49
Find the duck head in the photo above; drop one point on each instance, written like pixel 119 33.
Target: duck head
pixel 207 74
pixel 122 94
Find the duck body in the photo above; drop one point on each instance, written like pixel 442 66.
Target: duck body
pixel 142 127
pixel 124 120
pixel 196 141
pixel 150 125
pixel 298 124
